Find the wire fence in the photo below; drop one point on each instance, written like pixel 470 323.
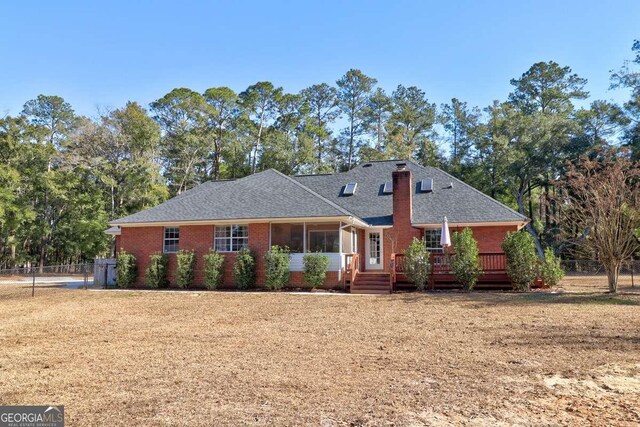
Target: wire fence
pixel 27 282
pixel 590 267
pixel 31 281
pixel 586 275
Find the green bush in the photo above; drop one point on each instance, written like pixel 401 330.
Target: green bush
pixel 416 263
pixel 276 264
pixel 522 260
pixel 156 274
pixel 244 269
pixel 550 270
pixel 465 263
pixel 126 269
pixel 213 269
pixel 185 268
pixel 315 269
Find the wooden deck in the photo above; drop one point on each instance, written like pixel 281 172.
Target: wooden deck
pixel 494 274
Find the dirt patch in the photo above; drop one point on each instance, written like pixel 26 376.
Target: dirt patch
pixel 202 358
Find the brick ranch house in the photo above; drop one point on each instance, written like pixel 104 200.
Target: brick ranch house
pixel 363 220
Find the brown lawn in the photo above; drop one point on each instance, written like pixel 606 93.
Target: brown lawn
pixel 198 358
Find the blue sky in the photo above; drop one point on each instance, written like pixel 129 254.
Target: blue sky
pixel 104 54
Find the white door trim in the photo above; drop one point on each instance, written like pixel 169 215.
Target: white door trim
pixel 367 250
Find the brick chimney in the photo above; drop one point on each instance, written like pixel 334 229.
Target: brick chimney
pixel 400 236
pixel 402 196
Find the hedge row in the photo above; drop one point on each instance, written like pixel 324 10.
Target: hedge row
pixel 244 269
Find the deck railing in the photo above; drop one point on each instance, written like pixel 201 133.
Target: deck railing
pixel 489 261
pixel 392 271
pixel 352 266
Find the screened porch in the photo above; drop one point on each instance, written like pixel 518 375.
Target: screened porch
pixel 333 239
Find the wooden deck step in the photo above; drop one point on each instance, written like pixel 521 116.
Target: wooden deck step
pixel 371 283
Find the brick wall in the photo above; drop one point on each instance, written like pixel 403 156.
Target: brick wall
pixel 141 242
pixel 332 280
pixel 259 244
pixel 489 238
pixel 198 238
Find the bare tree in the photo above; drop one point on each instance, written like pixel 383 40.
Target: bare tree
pixel 600 201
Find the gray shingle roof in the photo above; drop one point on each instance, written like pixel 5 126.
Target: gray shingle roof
pixel 270 194
pixel 460 203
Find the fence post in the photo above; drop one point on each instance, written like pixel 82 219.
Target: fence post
pixel 33 283
pixel 86 276
pixel 632 266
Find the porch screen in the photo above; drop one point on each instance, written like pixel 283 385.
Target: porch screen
pixel 349 240
pixel 323 238
pixel 289 235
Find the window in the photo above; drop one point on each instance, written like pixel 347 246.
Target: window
pixel 374 248
pixel 231 238
pixel 432 239
pixel 171 240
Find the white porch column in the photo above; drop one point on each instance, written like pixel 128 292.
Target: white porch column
pixel 340 250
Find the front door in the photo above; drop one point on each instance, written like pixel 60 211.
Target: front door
pixel 373 250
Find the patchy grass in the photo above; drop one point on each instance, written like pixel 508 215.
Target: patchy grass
pixel 212 358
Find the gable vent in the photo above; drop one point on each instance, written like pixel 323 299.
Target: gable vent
pixel 388 188
pixel 350 189
pixel 426 185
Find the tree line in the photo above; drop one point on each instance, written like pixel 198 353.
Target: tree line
pixel 64 176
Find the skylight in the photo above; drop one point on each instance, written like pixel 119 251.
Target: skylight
pixel 349 189
pixel 426 185
pixel 388 188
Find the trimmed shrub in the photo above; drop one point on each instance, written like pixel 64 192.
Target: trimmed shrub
pixel 126 269
pixel 276 264
pixel 185 268
pixel 416 263
pixel 465 263
pixel 315 269
pixel 550 270
pixel 522 260
pixel 213 269
pixel 244 269
pixel 156 273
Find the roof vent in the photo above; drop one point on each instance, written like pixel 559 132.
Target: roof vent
pixel 426 185
pixel 401 166
pixel 450 185
pixel 387 188
pixel 349 189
